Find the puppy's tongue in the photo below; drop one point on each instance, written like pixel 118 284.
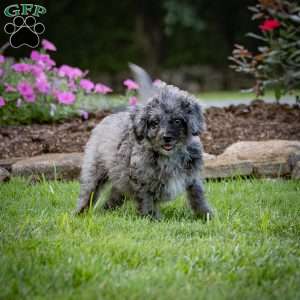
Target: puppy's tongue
pixel 167 147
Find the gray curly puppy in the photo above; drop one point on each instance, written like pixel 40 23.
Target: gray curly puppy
pixel 151 153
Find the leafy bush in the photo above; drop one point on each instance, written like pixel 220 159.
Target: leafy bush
pixel 34 90
pixel 277 64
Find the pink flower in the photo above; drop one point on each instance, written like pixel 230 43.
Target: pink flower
pixel 133 101
pixel 9 88
pixel 21 68
pixel 86 84
pixel 48 45
pixel 2 102
pixel 42 84
pixel 46 62
pixel 36 70
pixel 42 60
pixel 102 89
pixel 35 55
pixel 269 25
pixel 130 84
pixel 65 97
pixel 65 70
pixel 2 59
pixel 76 72
pixel 71 85
pixel 1 72
pixel 70 72
pixel 26 90
pixel 29 98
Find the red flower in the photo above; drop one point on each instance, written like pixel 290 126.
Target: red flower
pixel 269 25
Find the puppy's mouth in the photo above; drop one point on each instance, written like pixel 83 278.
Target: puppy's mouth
pixel 168 147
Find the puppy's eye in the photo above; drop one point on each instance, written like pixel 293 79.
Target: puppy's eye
pixel 153 124
pixel 177 121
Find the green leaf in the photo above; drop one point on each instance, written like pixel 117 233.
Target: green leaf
pixel 253 9
pixel 278 93
pixel 256 36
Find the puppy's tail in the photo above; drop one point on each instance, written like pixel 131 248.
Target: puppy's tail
pixel 146 89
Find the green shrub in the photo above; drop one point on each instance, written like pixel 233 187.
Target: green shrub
pixel 277 64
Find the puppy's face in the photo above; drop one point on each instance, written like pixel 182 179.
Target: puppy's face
pixel 168 120
pixel 166 128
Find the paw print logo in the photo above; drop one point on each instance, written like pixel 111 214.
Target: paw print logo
pixel 24 32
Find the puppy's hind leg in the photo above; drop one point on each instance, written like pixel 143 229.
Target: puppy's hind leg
pixel 148 208
pixel 115 200
pixel 93 178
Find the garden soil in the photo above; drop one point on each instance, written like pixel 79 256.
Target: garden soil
pixel 225 126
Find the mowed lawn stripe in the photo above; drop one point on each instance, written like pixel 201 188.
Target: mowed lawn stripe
pixel 250 250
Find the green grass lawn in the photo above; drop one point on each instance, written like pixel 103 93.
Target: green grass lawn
pixel 251 250
pixel 227 95
pixel 238 95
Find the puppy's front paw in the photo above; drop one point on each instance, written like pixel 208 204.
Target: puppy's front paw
pixel 153 215
pixel 205 213
pixel 79 210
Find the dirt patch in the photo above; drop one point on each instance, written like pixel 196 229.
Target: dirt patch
pixel 37 139
pixel 256 122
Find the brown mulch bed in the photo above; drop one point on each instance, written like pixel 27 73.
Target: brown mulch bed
pixel 255 122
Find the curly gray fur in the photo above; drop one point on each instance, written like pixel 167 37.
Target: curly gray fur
pixel 151 153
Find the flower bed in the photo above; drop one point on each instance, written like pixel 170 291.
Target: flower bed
pixel 34 89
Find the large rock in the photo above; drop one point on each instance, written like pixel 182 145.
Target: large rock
pixel 294 158
pixel 8 162
pixel 269 158
pixel 207 156
pixel 4 175
pixel 65 166
pixel 296 171
pixel 222 168
pixel 51 166
pixel 272 158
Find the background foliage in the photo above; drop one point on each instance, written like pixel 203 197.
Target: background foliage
pixel 155 34
pixel 276 64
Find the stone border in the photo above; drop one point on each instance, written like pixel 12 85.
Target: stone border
pixel 274 158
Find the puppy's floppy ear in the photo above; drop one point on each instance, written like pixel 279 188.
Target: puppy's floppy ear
pixel 194 116
pixel 139 122
pixel 146 89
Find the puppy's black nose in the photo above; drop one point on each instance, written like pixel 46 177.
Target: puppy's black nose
pixel 167 139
